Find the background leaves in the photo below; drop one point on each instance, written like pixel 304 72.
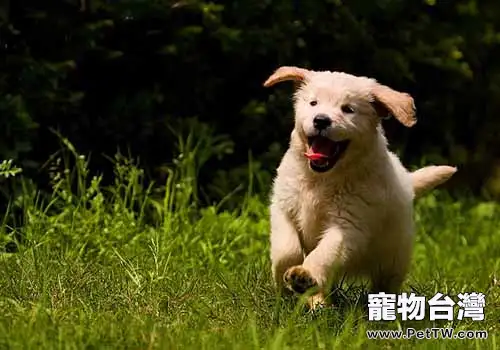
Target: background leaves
pixel 116 74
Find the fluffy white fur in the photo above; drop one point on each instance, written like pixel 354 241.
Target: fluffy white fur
pixel 356 218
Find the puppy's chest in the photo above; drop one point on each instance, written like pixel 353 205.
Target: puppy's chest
pixel 313 211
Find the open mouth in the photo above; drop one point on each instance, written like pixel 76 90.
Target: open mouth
pixel 324 153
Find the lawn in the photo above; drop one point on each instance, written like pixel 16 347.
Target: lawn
pixel 130 266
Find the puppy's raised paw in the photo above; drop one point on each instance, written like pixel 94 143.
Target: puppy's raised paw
pixel 298 279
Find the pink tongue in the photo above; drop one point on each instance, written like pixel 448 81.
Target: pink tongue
pixel 319 149
pixel 314 156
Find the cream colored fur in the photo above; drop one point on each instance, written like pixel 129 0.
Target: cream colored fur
pixel 357 218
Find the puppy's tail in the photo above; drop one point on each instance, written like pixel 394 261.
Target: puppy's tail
pixel 426 178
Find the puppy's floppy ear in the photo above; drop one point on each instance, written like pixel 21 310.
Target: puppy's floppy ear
pixel 398 104
pixel 285 73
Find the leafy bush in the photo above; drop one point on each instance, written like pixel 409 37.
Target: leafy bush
pixel 119 72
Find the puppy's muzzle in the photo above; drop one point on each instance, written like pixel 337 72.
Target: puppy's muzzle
pixel 321 122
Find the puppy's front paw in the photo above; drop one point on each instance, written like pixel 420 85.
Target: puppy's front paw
pixel 316 302
pixel 298 279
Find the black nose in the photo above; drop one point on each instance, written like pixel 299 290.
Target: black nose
pixel 321 121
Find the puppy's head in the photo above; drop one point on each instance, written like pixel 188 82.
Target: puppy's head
pixel 335 112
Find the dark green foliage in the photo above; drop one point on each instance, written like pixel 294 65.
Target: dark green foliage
pixel 119 73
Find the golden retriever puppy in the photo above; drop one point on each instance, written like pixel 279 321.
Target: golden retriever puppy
pixel 342 203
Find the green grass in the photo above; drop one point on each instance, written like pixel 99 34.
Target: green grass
pixel 126 266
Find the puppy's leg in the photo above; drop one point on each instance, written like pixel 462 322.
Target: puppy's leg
pixel 286 250
pixel 319 266
pixel 389 277
pixel 387 282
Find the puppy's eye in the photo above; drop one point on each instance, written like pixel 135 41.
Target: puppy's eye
pixel 347 109
pixel 313 103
